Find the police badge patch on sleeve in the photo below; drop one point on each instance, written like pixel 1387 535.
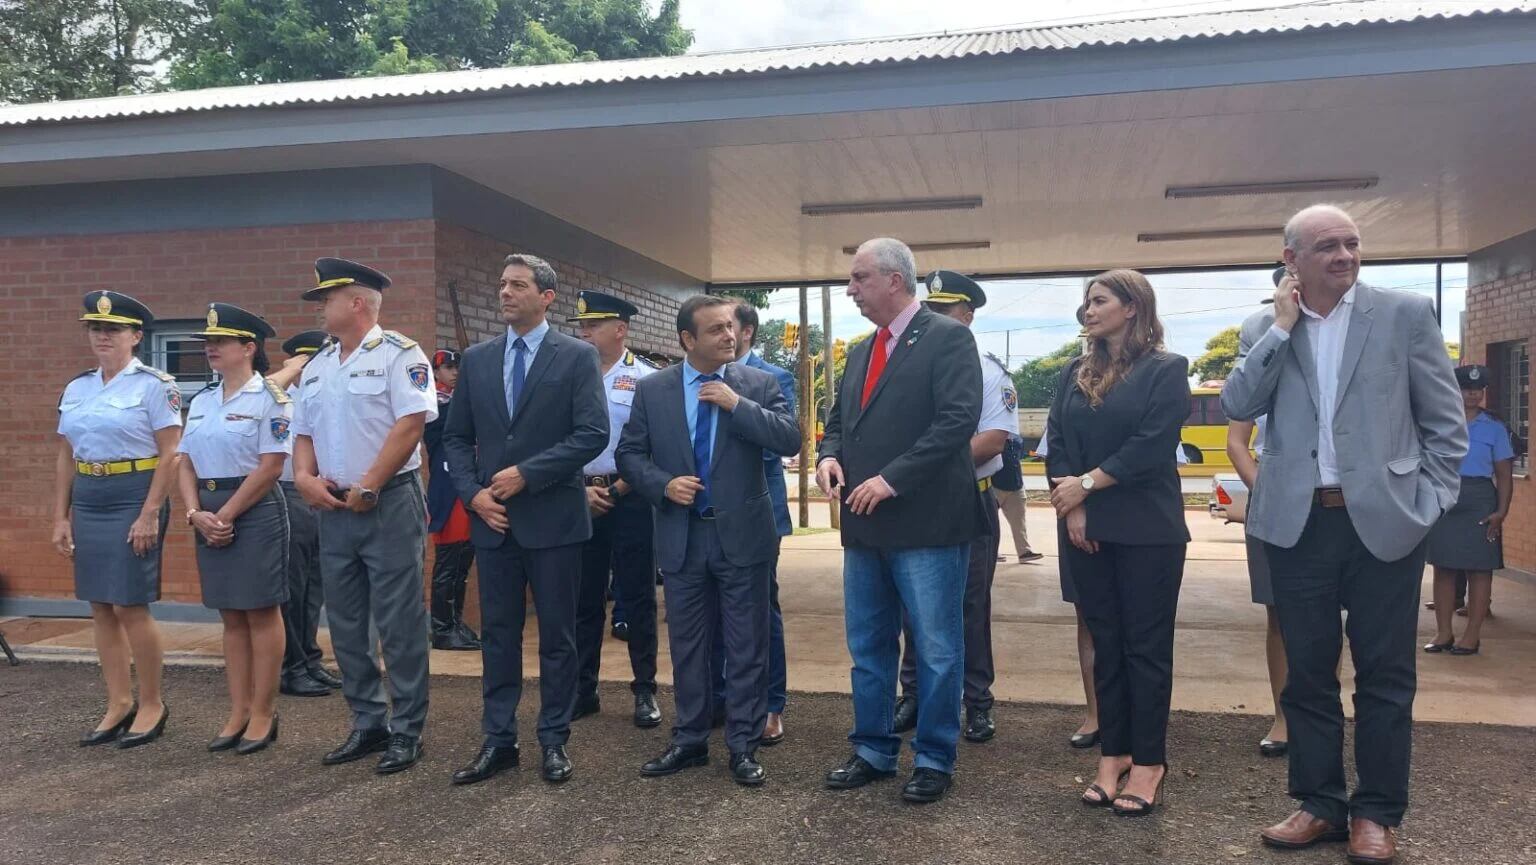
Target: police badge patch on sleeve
pixel 1010 398
pixel 173 397
pixel 279 429
pixel 418 375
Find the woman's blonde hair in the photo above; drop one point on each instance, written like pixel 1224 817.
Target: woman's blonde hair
pixel 1097 373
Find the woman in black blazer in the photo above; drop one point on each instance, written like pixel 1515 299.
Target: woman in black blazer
pixel 1112 432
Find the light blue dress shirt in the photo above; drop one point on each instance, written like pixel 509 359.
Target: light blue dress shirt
pixel 533 340
pixel 1488 443
pixel 691 385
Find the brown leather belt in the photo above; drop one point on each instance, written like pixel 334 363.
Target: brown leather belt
pixel 1329 497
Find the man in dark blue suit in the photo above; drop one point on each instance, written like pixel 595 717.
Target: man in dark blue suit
pixel 693 448
pixel 528 413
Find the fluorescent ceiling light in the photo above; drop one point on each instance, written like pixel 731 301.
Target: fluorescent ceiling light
pixel 900 205
pixel 1271 231
pixel 1277 187
pixel 941 246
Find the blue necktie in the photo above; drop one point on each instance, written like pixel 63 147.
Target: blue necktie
pixel 703 428
pixel 519 373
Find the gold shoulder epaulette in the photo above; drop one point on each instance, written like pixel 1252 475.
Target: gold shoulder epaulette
pixel 163 376
pixel 278 394
pixel 398 339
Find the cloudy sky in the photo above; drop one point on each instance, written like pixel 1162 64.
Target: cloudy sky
pixel 1023 319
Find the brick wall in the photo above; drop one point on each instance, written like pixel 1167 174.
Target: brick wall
pixel 1501 307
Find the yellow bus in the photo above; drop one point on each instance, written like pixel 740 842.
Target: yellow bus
pixel 1204 436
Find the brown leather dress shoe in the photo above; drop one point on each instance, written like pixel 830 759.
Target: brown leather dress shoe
pixel 1370 843
pixel 1301 830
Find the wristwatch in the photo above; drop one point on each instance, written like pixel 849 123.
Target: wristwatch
pixel 1087 482
pixel 367 495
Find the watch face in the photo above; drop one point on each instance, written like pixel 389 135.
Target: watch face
pixel 370 496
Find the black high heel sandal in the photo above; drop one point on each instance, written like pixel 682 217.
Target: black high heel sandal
pixel 1143 807
pixel 1104 800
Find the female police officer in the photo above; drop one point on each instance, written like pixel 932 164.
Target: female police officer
pixel 118 429
pixel 236 443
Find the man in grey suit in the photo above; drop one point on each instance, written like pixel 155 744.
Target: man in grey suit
pixel 1364 439
pixel 529 411
pixel 693 448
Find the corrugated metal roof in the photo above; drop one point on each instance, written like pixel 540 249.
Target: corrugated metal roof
pixel 1320 15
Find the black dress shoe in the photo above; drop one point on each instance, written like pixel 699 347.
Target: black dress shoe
pixel 557 764
pixel 325 677
pixel 251 746
pixel 647 715
pixel 454 640
pixel 855 773
pixel 465 632
pixel 1273 748
pixel 402 753
pixel 675 759
pixel 303 685
pixel 224 743
pixel 621 631
pixel 134 740
pixel 588 705
pixel 490 760
pixel 927 785
pixel 906 714
pixel 359 744
pixel 1081 741
pixel 102 737
pixel 746 771
pixel 979 726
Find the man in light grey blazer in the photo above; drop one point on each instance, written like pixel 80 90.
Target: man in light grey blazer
pixel 1364 438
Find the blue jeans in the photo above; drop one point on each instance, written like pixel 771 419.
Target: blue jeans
pixel 929 583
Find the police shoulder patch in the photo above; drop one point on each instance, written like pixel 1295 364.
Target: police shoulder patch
pixel 173 397
pixel 419 376
pixel 1010 398
pixel 279 395
pixel 398 339
pixel 279 429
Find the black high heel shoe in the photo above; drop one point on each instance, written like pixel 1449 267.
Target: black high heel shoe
pixel 1142 807
pixel 251 746
pixel 1103 800
pixel 102 737
pixel 1081 741
pixel 224 743
pixel 134 740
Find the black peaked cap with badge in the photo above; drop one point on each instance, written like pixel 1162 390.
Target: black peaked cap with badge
pixel 226 319
pixel 337 272
pixel 1472 377
pixel 947 286
pixel 598 306
pixel 111 307
pixel 308 342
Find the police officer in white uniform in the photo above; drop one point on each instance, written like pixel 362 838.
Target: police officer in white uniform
pixel 958 297
pixel 118 428
pixel 363 404
pixel 621 523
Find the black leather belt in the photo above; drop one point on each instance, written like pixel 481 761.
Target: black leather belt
pixel 1329 497
pixel 215 484
pixel 340 493
pixel 604 481
pixel 706 514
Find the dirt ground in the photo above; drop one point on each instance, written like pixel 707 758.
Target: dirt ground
pixel 1014 800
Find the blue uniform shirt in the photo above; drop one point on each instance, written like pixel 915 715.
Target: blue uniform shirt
pixel 1487 443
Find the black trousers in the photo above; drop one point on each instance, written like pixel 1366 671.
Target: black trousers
pixel 506 573
pixel 450 580
pixel 1128 596
pixel 979 670
pixel 621 544
pixel 306 594
pixel 1330 569
pixel 709 593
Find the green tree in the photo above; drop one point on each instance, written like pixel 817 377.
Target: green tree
pixel 78 49
pixel 770 344
pixel 1220 355
pixel 1036 380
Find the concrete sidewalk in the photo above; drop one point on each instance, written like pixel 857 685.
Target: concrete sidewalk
pixel 1219 654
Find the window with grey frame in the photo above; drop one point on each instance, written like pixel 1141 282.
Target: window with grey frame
pixel 170 346
pixel 1510 396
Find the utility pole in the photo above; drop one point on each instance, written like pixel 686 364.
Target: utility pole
pixel 807 410
pixel 829 382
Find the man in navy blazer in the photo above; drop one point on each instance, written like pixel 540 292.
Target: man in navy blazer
pixel 693 448
pixel 528 413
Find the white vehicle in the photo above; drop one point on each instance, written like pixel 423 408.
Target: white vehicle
pixel 1229 498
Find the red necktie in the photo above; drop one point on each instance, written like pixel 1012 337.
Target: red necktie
pixel 876 364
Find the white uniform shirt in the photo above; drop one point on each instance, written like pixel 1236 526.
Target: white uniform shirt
pixel 619 382
pixel 347 407
pixel 287 476
pixel 226 438
pixel 999 408
pixel 117 420
pixel 1327 334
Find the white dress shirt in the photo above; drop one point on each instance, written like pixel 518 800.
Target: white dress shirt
pixel 118 419
pixel 226 438
pixel 1327 333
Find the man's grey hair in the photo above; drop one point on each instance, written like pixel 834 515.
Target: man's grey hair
pixel 543 275
pixel 1293 225
pixel 893 256
pixel 373 299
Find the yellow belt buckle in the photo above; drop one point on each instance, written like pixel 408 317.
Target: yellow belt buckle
pixel 212 486
pixel 99 470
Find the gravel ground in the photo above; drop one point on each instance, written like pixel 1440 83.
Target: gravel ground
pixel 1014 800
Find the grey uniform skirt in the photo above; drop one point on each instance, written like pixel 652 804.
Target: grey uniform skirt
pixel 252 572
pixel 102 510
pixel 1457 541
